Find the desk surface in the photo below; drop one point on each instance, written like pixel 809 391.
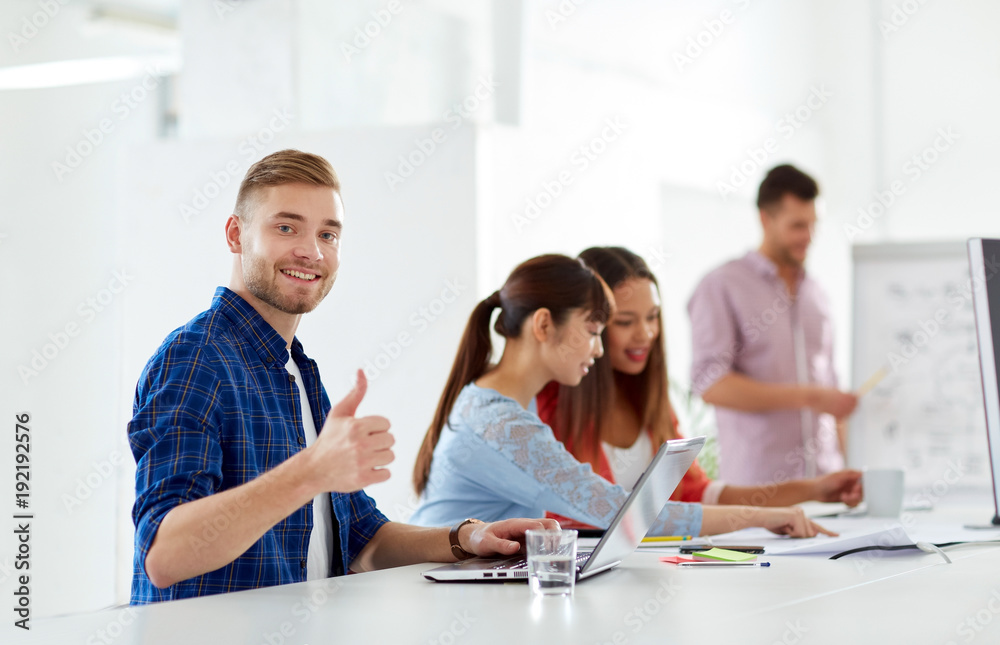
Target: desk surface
pixel 900 597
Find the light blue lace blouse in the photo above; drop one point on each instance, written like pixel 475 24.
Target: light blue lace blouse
pixel 495 460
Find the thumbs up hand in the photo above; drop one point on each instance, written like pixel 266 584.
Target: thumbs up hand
pixel 350 451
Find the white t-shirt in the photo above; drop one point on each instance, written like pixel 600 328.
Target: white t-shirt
pixel 628 464
pixel 321 538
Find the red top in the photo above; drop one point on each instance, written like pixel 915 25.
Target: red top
pixel 692 486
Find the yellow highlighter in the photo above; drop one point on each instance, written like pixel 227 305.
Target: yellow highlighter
pixel 872 381
pixel 666 538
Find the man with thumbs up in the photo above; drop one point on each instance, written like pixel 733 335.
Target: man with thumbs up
pixel 245 475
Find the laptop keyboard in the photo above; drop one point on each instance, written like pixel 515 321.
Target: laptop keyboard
pixel 581 559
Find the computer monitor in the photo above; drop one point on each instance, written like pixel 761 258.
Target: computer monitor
pixel 984 267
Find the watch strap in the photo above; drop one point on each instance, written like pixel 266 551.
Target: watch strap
pixel 456 547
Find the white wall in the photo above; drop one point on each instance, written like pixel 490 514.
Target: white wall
pixel 940 74
pixel 58 251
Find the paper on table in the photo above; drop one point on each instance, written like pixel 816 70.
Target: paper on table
pixel 824 509
pixel 854 533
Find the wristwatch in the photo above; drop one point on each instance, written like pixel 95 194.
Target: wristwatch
pixel 456 547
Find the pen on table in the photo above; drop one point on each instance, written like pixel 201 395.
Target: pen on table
pixel 723 564
pixel 666 538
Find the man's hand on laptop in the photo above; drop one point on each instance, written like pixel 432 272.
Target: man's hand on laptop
pixel 350 452
pixel 505 537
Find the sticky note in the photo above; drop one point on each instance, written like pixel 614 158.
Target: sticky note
pixel 724 555
pixel 675 559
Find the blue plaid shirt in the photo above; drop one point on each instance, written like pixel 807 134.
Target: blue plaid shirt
pixel 215 408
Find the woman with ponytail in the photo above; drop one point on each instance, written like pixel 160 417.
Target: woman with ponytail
pixel 487 455
pixel 621 412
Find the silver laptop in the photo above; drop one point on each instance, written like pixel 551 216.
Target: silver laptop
pixel 633 521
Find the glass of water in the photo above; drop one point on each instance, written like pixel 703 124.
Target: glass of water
pixel 551 562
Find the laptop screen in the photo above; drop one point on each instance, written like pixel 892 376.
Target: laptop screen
pixel 650 495
pixel 984 265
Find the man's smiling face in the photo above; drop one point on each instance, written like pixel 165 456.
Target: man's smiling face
pixel 291 246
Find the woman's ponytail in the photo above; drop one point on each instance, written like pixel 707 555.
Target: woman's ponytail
pixel 473 358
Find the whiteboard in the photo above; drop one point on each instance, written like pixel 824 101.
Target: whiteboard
pixel 913 315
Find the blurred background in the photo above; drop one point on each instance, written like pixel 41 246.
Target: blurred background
pixel 469 135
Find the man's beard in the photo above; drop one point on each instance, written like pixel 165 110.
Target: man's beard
pixel 255 276
pixel 785 254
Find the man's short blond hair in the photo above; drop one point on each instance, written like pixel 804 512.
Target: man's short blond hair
pixel 283 167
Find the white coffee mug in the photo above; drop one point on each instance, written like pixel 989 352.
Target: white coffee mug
pixel 883 491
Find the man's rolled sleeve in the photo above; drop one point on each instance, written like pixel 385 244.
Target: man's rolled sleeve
pixel 177 452
pixel 715 338
pixel 180 466
pixel 359 520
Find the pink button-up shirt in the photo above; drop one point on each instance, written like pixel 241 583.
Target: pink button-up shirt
pixel 743 320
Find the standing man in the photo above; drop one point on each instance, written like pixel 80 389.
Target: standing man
pixel 245 476
pixel 763 348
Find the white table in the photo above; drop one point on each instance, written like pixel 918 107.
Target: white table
pixel 904 597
